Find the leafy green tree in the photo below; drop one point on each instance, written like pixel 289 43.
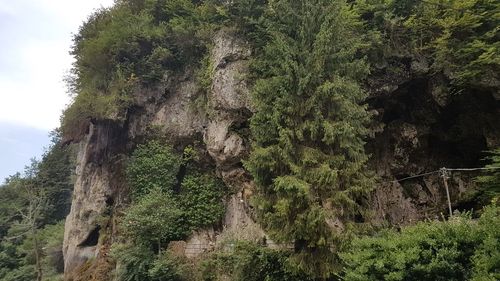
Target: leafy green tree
pixel 247 15
pixel 201 199
pixel 163 209
pixel 12 266
pixel 31 214
pixel 170 199
pixel 156 218
pixel 55 177
pixel 10 202
pixel 31 248
pixel 153 166
pixel 308 158
pixel 457 38
pixel 461 37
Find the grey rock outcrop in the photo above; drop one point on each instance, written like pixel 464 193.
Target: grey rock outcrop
pixel 96 181
pixel 168 107
pixel 420 130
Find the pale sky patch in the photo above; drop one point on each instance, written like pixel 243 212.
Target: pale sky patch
pixel 34 57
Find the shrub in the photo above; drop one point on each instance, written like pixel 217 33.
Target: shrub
pixel 153 166
pixel 251 262
pixel 155 218
pixel 161 217
pixel 459 249
pixel 164 210
pixel 133 260
pixel 201 199
pixel 166 267
pixel 486 259
pixel 136 262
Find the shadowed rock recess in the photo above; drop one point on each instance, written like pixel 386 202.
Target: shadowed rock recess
pixel 416 130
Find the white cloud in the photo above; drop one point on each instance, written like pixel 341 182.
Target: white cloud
pixel 34 57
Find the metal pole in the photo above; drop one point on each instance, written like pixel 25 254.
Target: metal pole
pixel 444 175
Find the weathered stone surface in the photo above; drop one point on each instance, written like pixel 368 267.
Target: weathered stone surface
pixel 228 100
pixel 423 130
pixel 170 108
pixel 418 130
pixel 229 104
pixel 90 196
pixel 177 115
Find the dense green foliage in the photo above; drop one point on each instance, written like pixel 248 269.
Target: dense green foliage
pixel 311 59
pixel 459 249
pixel 201 199
pixel 169 268
pixel 308 156
pixel 134 260
pixel 170 199
pixel 461 37
pixel 156 217
pixel 490 180
pixel 32 206
pixel 134 43
pixel 153 166
pixel 458 38
pixel 138 262
pixel 244 261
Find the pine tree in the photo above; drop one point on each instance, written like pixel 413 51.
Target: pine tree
pixel 308 157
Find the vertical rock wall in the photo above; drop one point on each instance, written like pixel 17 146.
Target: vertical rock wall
pixel 169 107
pixel 419 131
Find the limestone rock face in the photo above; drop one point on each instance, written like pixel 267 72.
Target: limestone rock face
pixel 99 183
pixel 422 131
pixel 229 104
pixel 419 131
pixel 93 194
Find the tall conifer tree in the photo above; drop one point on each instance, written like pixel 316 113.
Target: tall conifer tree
pixel 308 157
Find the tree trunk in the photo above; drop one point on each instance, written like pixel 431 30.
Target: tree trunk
pixel 38 264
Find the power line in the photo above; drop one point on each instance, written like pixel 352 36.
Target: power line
pixel 447 169
pixel 413 177
pixel 472 169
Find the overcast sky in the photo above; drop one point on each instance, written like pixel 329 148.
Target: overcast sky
pixel 35 41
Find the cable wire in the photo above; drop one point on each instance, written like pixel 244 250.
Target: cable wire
pixel 444 169
pixel 472 169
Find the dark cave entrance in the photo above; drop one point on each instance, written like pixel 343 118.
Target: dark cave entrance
pixel 92 239
pixel 454 135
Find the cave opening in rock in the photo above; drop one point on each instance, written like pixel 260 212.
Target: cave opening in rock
pixel 460 133
pixel 92 239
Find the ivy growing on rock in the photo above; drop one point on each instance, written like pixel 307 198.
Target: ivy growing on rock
pixel 153 166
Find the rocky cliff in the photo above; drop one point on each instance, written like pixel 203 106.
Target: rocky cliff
pixel 416 130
